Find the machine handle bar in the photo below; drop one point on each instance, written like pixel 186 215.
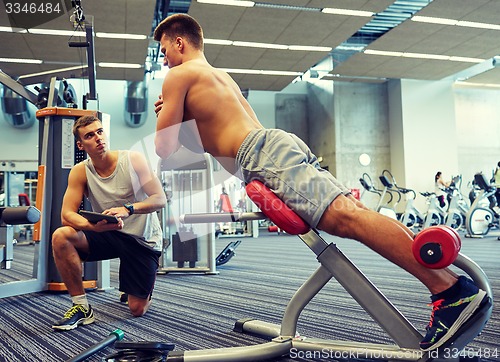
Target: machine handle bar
pixel 221 217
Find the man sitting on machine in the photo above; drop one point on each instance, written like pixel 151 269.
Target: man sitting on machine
pixel 229 130
pixel 120 185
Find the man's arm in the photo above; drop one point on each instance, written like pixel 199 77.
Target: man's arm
pixel 149 183
pixel 77 181
pixel 170 116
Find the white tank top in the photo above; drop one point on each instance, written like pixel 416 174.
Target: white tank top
pixel 120 187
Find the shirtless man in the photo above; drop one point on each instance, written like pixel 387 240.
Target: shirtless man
pixel 229 130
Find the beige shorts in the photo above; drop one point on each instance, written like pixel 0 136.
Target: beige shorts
pixel 285 164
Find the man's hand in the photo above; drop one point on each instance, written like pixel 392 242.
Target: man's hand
pixel 120 212
pixel 103 225
pixel 158 105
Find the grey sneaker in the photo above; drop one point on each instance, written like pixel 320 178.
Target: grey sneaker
pixel 75 316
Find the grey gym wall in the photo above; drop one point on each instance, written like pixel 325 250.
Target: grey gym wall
pixel 346 120
pixel 425 129
pixel 292 114
pixel 477 113
pixel 444 128
pixel 322 136
pixel 362 127
pixel 263 105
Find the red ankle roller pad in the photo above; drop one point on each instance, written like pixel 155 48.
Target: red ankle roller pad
pixel 275 209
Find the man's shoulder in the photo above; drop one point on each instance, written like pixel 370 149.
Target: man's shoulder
pixel 78 172
pixel 191 68
pixel 80 166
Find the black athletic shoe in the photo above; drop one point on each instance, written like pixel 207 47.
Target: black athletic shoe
pixel 449 315
pixel 75 316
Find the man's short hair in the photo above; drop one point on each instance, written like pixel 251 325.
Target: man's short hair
pixel 181 25
pixel 83 121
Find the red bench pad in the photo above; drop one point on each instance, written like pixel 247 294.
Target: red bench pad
pixel 275 209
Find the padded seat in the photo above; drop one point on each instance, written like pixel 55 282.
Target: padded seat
pixel 275 209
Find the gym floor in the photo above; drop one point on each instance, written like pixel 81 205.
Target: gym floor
pixel 194 311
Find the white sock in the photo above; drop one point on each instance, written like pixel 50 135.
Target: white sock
pixel 80 299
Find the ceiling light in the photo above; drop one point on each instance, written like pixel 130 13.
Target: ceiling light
pixel 83 34
pixel 445 21
pixel 286 7
pixel 217 41
pixel 250 4
pixel 278 72
pixel 250 44
pixel 56 32
pixel 466 59
pixel 472 24
pixel 309 48
pixel 20 60
pixel 79 67
pixel 433 20
pixel 120 65
pixel 425 56
pixel 383 52
pixel 347 12
pixel 121 36
pixel 244 3
pixel 257 71
pixel 8 29
pixel 259 45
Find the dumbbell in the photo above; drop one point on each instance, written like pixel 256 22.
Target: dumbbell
pixel 436 247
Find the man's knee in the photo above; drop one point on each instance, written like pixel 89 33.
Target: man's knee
pixel 138 307
pixel 67 238
pixel 340 217
pixel 62 236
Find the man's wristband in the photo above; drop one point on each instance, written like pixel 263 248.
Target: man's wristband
pixel 130 208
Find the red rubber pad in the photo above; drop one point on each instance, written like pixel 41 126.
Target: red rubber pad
pixel 436 247
pixel 275 209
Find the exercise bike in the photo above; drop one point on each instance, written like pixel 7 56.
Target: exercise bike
pixel 389 187
pixel 367 183
pixel 411 216
pixel 480 217
pixel 458 206
pixel 435 214
pixel 383 208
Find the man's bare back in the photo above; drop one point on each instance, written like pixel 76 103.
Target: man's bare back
pixel 222 114
pixel 213 100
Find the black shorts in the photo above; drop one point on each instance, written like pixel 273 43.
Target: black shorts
pixel 138 263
